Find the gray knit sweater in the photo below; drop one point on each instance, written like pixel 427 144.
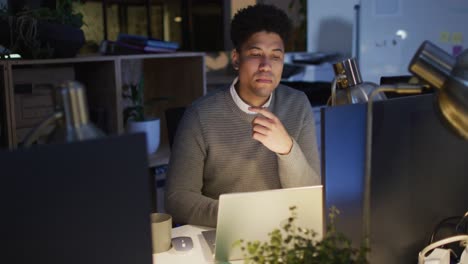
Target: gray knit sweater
pixel 214 153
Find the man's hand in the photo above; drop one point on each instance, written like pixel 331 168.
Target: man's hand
pixel 269 130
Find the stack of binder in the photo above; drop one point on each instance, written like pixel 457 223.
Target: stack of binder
pixel 137 44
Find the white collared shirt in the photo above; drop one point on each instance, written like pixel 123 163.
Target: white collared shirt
pixel 240 103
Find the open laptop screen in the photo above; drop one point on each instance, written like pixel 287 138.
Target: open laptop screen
pixel 76 203
pixel 252 215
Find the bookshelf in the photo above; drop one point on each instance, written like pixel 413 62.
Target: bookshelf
pixel 4 107
pixel 27 88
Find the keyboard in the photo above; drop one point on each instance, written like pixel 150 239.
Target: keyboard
pixel 210 238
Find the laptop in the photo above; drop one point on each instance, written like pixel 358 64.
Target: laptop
pixel 252 215
pixel 75 203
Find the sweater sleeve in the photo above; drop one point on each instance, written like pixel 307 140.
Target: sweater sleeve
pixel 301 166
pixel 183 198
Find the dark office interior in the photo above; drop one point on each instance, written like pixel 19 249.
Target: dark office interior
pixel 65 198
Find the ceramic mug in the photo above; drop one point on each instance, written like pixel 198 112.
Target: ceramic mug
pixel 161 227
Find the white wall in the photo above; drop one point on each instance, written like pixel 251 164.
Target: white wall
pixel 330 25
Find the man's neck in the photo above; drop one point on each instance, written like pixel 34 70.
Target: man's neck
pixel 256 101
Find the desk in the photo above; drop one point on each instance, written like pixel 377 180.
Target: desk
pixel 200 254
pixel 160 157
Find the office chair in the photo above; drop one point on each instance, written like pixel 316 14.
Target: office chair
pixel 173 117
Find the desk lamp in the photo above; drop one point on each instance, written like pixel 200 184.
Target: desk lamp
pixel 449 76
pixel 75 113
pixel 348 87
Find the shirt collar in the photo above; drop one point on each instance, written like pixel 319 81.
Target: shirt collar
pixel 240 103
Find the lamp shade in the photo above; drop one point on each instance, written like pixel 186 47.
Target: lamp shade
pixel 350 87
pixel 449 76
pixel 75 108
pixel 75 113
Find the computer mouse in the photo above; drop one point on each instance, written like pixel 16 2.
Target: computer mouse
pixel 182 243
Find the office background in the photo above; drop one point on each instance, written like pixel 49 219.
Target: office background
pixel 331 27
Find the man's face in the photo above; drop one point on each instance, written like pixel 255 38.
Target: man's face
pixel 260 62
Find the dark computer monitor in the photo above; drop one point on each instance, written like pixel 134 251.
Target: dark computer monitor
pixel 85 202
pixel 419 174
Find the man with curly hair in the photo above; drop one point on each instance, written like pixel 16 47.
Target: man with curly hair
pixel 254 135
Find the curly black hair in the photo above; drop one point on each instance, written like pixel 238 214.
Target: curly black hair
pixel 257 18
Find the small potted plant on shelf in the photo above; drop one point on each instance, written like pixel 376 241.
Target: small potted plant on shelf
pixel 296 245
pixel 42 33
pixel 135 117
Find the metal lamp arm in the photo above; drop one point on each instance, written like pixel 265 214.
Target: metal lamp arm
pixel 398 88
pixel 35 133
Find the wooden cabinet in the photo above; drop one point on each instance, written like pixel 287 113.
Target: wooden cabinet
pixel 28 88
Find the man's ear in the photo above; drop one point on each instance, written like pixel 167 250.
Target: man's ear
pixel 235 59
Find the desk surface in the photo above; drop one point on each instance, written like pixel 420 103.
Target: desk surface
pixel 160 157
pixel 200 254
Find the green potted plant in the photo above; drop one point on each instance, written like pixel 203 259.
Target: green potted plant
pixel 296 245
pixel 43 33
pixel 135 118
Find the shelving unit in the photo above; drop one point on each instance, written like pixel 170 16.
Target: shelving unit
pixel 26 99
pixel 5 109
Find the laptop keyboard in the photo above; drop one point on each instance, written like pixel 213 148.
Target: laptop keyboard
pixel 210 238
